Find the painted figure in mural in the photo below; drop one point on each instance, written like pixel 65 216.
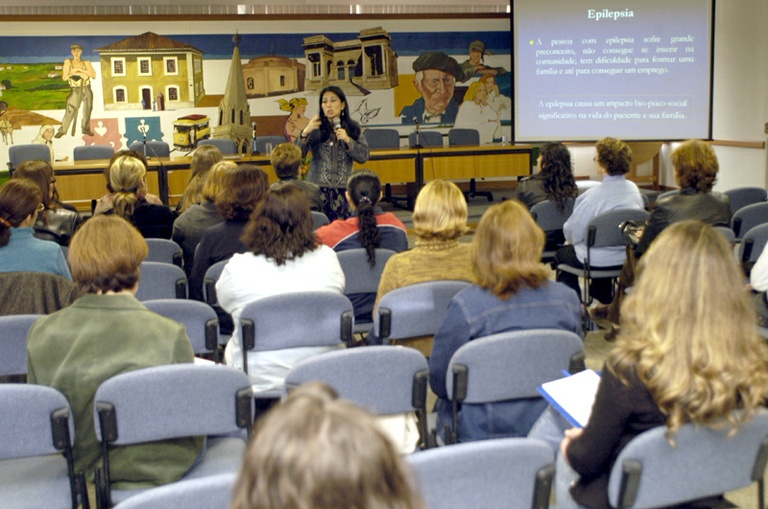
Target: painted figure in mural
pixel 78 74
pixel 436 75
pixel 45 137
pixel 296 121
pixel 6 127
pixel 474 64
pixel 476 113
pixel 500 103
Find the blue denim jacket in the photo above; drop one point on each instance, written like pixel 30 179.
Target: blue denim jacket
pixel 475 313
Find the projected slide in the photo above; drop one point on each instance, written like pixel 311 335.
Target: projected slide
pixel 639 70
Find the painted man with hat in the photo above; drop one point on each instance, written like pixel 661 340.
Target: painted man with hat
pixel 78 74
pixel 436 75
pixel 475 64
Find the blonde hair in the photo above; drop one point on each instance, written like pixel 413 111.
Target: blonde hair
pixel 440 211
pixel 688 330
pixel 471 92
pixel 314 451
pixel 696 165
pixel 126 177
pixel 202 161
pixel 506 250
pixel 213 183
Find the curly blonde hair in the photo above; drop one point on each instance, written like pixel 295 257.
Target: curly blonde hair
pixel 688 330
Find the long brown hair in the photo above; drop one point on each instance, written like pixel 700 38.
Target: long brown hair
pixel 18 199
pixel 242 189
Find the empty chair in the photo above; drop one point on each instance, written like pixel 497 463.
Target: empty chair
pixel 748 217
pixel 164 251
pixel 551 219
pixel 649 472
pixel 752 245
pixel 153 148
pixel 385 380
pixel 14 330
pixel 36 426
pixel 740 197
pixel 92 152
pixel 319 219
pixel 261 142
pixel 213 492
pixel 508 366
pixel 167 402
pixel 161 281
pixel 226 145
pixel 603 231
pixel 415 310
pixel 361 278
pixel 17 154
pixel 199 318
pixel 460 137
pixel 425 139
pixel 492 474
pixel 382 138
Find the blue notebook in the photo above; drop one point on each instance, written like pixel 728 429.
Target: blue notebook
pixel 573 395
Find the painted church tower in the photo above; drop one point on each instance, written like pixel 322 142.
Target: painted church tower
pixel 234 112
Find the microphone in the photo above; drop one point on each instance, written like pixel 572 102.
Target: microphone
pixel 336 122
pixel 416 120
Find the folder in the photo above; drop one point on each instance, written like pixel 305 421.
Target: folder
pixel 573 395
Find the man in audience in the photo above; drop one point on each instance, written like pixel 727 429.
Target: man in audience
pixel 286 160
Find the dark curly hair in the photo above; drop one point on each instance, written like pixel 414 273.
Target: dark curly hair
pixel 558 174
pixel 364 189
pixel 242 189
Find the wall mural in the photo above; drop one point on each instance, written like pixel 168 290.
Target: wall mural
pixel 117 90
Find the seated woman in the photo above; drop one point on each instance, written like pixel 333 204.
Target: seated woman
pixel 58 221
pixel 104 333
pixel 242 189
pixel 189 226
pixel 203 159
pixel 104 204
pixel 286 159
pixel 315 450
pixel 284 257
pixel 20 251
pixel 688 355
pixel 696 168
pixel 128 177
pixel 511 293
pixel 439 219
pixel 368 228
pixel 615 192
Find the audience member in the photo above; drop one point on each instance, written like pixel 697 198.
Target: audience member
pixel 688 351
pixel 439 219
pixel 203 159
pixel 286 160
pixel 511 293
pixel 20 251
pixel 616 192
pixel 58 221
pixel 104 204
pixel 104 333
pixel 189 226
pixel 314 450
pixel 368 228
pixel 284 257
pixel 241 191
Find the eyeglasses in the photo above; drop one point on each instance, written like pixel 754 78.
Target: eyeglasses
pixel 53 180
pixel 40 208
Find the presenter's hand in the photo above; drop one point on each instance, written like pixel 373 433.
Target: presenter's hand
pixel 314 124
pixel 342 135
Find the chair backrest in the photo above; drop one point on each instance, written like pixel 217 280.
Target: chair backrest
pixel 154 148
pixel 492 474
pixel 172 401
pixel 549 216
pixel 261 142
pixel 14 330
pixel 212 275
pixel 164 251
pixel 752 245
pixel 319 219
pixel 226 145
pixel 299 319
pixel 727 232
pixel 17 154
pixel 458 137
pixel 415 310
pixel 91 152
pixel 649 472
pixel 748 217
pixel 212 492
pixel 427 139
pixel 603 229
pixel 36 421
pixel 199 318
pixel 360 277
pixel 382 138
pixel 740 197
pixel 162 281
pixel 671 192
pixel 511 365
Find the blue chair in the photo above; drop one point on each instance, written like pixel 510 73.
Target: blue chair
pixel 93 152
pixel 361 278
pixel 164 251
pixel 319 219
pixel 226 145
pixel 740 197
pixel 459 137
pixel 199 319
pixel 162 281
pixel 14 330
pixel 748 217
pixel 261 142
pixel 550 218
pixel 153 148
pixel 427 139
pixel 382 138
pixel 17 154
pixel 492 474
pixel 213 492
pixel 752 245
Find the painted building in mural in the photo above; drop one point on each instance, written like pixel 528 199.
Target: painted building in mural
pixel 357 65
pixel 273 75
pixel 234 112
pixel 134 71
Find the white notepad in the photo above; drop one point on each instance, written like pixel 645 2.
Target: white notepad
pixel 573 395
